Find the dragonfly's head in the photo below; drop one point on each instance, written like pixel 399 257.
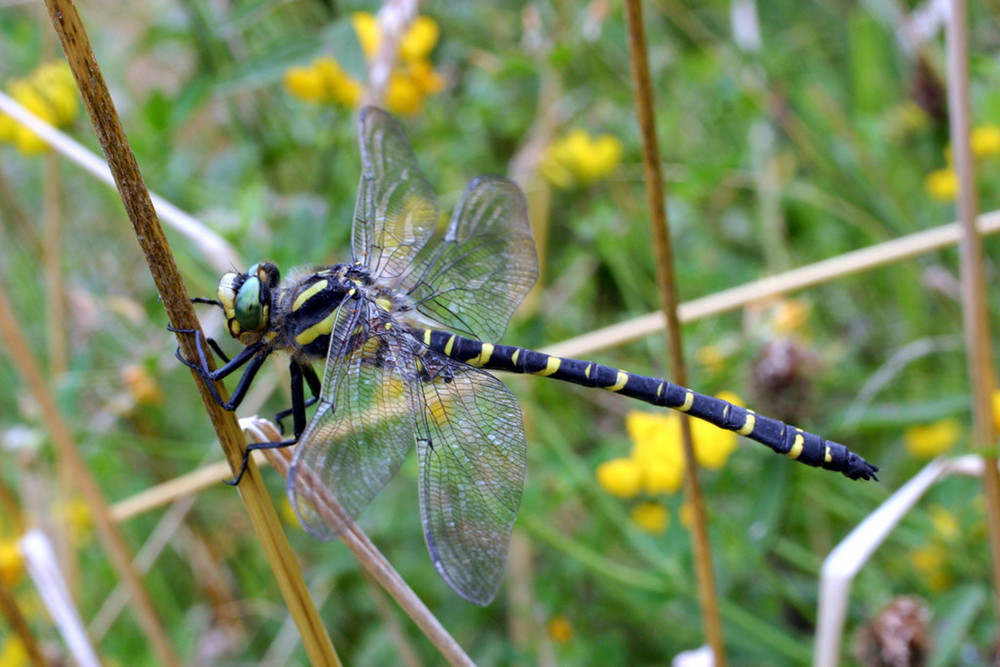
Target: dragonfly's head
pixel 246 300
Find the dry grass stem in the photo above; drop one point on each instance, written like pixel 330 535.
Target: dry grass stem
pixel 139 207
pixel 667 287
pixel 974 305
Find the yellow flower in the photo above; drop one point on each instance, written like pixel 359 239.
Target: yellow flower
pixel 326 82
pixel 11 563
pixel 560 630
pixel 56 83
pixel 366 28
pixel 419 39
pixel 49 93
pixel 651 517
pixel 305 84
pixel 663 476
pixel 415 44
pixel 945 523
pixel 985 141
pixel 580 158
pixel 942 184
pixel 930 440
pixel 620 477
pixel 28 96
pixel 402 95
pixel 656 449
pixel 712 445
pixel 13 653
pixel 323 82
pixel 339 85
pixel 790 315
pixel 422 73
pixel 930 561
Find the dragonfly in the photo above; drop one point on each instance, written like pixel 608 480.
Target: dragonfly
pixel 406 334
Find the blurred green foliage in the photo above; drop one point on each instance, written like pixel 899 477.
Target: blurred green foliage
pixel 811 142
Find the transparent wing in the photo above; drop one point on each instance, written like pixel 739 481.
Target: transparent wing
pixel 364 425
pixel 472 463
pixel 485 264
pixel 396 211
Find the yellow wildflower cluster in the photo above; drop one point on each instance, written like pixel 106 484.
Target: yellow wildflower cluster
pixel 413 81
pixel 50 93
pixel 942 184
pixel 656 463
pixel 929 440
pixel 579 158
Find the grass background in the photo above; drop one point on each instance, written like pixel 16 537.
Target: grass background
pixel 826 106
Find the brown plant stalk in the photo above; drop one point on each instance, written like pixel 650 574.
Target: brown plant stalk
pixel 668 302
pixel 139 208
pixel 974 307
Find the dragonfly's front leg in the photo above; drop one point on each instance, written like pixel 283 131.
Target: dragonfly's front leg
pixel 251 356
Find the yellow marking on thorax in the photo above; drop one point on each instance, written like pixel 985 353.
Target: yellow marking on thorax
pixel 551 366
pixel 620 381
pixel 513 357
pixel 383 303
pixel 309 293
pixel 483 358
pixel 749 424
pixel 321 328
pixel 688 401
pixel 796 450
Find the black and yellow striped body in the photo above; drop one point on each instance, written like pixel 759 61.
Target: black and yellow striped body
pixel 308 309
pixel 794 443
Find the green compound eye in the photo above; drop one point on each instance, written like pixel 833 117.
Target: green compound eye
pixel 249 309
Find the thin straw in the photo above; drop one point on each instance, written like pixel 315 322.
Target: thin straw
pixel 138 205
pixel 668 296
pixel 974 308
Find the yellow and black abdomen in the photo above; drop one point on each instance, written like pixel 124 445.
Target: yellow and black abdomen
pixel 794 443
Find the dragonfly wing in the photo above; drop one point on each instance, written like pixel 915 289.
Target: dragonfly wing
pixel 396 211
pixel 486 263
pixel 472 464
pixel 363 427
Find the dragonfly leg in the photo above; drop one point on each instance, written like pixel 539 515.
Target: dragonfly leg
pixel 298 372
pixel 253 448
pixel 252 356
